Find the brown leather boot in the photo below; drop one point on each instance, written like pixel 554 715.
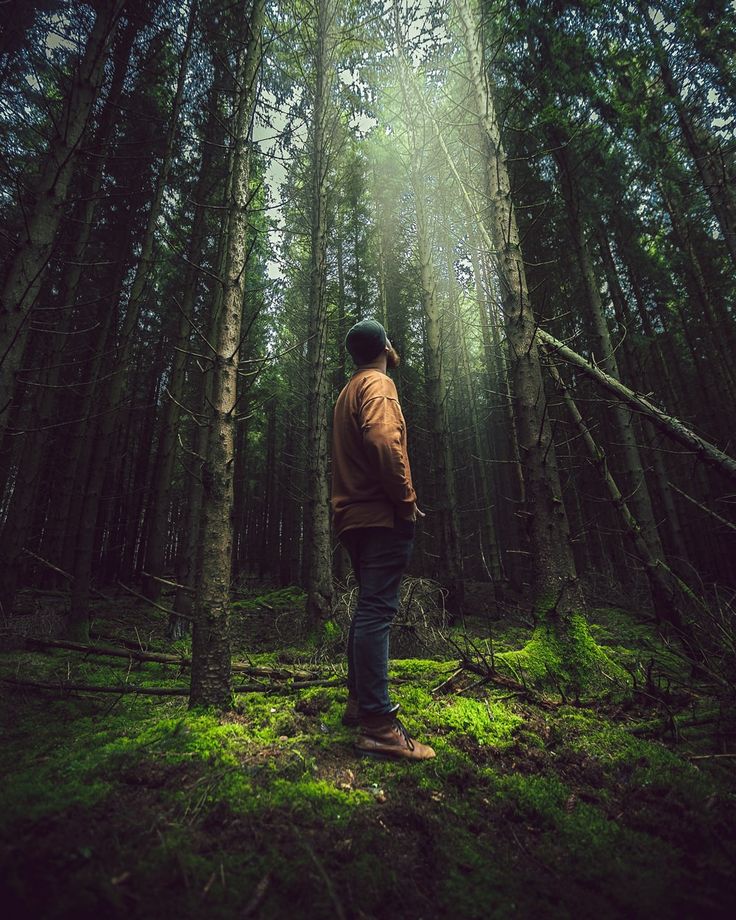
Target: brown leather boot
pixel 389 740
pixel 351 716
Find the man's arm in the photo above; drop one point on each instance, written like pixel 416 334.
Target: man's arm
pixel 382 425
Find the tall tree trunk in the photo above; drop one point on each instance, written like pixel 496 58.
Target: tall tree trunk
pixel 26 271
pixel 603 350
pixel 669 593
pixel 112 400
pixel 451 557
pixel 318 569
pixel 636 374
pixel 169 428
pixel 211 641
pixel 556 589
pixel 716 323
pixel 718 185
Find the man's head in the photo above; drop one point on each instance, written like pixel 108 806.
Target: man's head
pixel 367 341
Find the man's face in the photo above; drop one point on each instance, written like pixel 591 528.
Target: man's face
pixel 392 356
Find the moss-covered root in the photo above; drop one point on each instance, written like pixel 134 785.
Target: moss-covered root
pixel 566 659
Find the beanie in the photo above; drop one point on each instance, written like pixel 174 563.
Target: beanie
pixel 365 341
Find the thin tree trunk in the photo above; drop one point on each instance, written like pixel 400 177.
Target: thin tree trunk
pixel 26 271
pixel 318 569
pixel 167 449
pixel 602 347
pixel 718 187
pixel 211 660
pixel 451 559
pixel 668 591
pixel 112 400
pixel 556 589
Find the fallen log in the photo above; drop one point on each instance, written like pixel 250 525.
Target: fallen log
pixel 112 651
pixel 123 689
pixel 91 688
pixel 670 425
pixel 66 575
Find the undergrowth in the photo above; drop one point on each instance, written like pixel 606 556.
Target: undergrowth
pixel 139 807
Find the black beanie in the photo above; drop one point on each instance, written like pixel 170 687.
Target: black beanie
pixel 365 341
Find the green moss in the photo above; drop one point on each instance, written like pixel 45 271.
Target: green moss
pixel 199 733
pixel 290 596
pixel 542 812
pixel 570 662
pixel 648 764
pixel 316 796
pixel 487 723
pixel 420 669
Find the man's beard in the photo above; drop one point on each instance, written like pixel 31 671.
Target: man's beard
pixel 392 358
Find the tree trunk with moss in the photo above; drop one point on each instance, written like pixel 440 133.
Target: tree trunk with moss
pixel 561 650
pixel 211 659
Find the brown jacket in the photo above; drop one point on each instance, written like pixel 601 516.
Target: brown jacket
pixel 371 476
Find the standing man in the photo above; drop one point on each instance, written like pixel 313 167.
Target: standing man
pixel 375 509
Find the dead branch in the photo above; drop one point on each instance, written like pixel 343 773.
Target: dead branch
pixel 670 425
pixel 171 584
pixel 182 661
pixel 91 688
pixel 55 568
pixel 702 507
pixel 171 613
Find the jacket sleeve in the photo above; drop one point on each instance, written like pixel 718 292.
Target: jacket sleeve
pixel 382 425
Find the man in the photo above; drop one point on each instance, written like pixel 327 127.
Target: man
pixel 374 506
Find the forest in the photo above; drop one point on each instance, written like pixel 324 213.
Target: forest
pixel 537 200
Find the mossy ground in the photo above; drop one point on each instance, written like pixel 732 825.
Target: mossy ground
pixel 137 807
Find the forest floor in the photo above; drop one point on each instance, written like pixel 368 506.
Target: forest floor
pixel 130 806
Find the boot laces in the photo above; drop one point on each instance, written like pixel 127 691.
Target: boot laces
pixel 400 728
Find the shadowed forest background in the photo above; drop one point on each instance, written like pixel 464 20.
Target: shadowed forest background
pixel 538 201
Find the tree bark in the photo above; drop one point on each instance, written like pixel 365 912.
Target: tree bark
pixel 169 429
pixel 318 569
pixel 111 400
pixel 211 663
pixel 556 589
pixel 26 271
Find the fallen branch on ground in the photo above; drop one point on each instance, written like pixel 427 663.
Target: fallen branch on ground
pixel 240 667
pixel 91 688
pixel 160 691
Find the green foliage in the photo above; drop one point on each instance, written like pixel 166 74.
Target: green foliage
pixel 289 596
pixel 568 660
pixel 555 809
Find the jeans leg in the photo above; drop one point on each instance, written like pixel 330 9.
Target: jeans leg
pixel 352 544
pixel 383 556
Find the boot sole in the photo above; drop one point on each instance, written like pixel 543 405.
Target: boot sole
pixel 396 758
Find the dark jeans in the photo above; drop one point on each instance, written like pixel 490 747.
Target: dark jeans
pixel 379 556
